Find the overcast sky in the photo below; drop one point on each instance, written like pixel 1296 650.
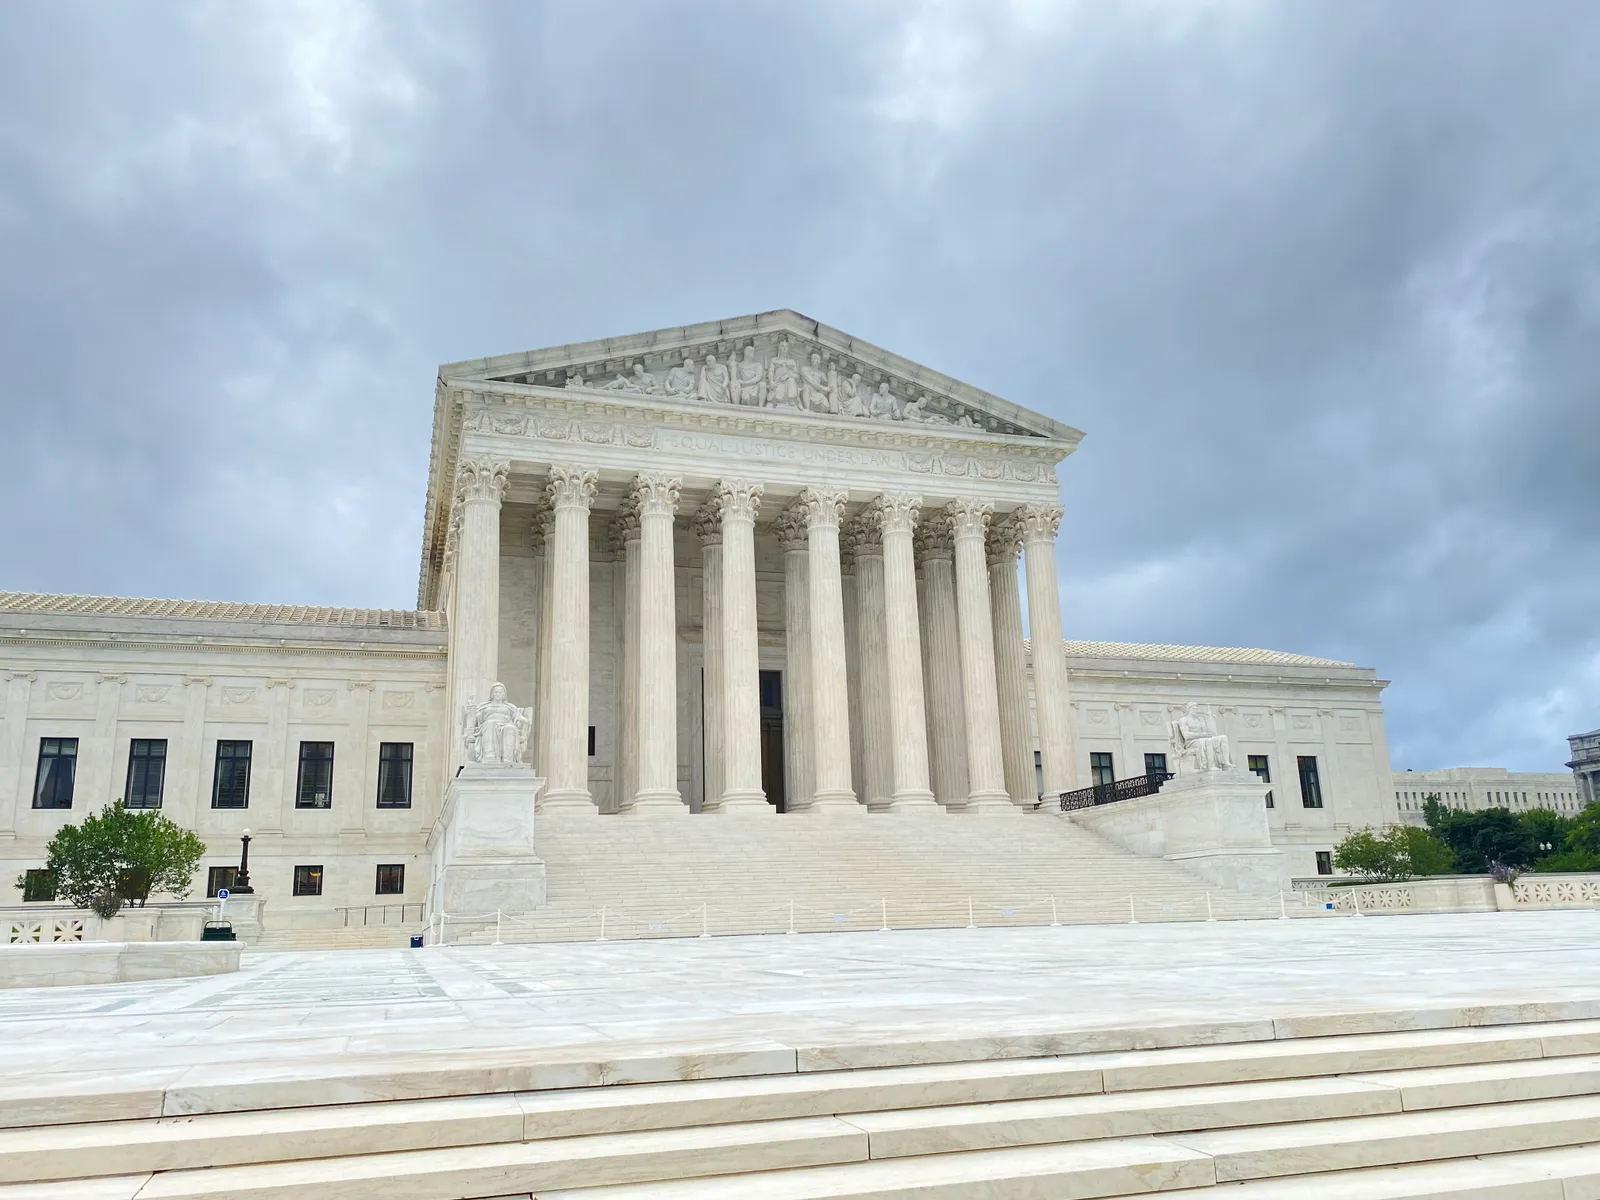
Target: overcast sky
pixel 1320 280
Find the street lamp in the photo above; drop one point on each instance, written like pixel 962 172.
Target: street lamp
pixel 241 881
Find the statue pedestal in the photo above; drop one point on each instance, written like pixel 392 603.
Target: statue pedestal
pixel 481 846
pixel 1213 823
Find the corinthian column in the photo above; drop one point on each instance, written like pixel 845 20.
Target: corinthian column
pixel 986 781
pixel 625 534
pixel 708 528
pixel 1010 664
pixel 897 518
pixel 872 664
pixel 830 687
pixel 475 635
pixel 741 664
pixel 799 779
pixel 571 492
pixel 947 722
pixel 1039 523
pixel 656 497
pixel 541 711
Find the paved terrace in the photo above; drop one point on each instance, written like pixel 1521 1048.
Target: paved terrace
pixel 373 1024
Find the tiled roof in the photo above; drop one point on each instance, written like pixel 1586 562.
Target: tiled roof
pixel 220 610
pixel 1202 654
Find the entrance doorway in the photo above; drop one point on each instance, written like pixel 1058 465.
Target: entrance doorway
pixel 772 772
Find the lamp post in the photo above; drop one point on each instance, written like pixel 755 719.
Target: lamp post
pixel 241 881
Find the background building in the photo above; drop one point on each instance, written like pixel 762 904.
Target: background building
pixel 1472 789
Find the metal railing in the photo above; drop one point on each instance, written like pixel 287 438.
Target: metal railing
pixel 1110 793
pixel 380 914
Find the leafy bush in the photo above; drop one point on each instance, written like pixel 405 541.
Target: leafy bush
pixel 1375 857
pixel 121 856
pixel 1428 855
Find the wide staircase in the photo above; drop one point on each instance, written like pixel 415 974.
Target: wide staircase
pixel 354 937
pixel 629 877
pixel 1503 1110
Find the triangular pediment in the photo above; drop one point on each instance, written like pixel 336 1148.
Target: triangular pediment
pixel 775 360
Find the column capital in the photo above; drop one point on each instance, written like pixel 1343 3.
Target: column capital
pixel 1004 540
pixel 656 495
pixel 968 518
pixel 481 479
pixel 707 524
pixel 864 534
pixel 933 540
pixel 737 499
pixel 571 487
pixel 821 508
pixel 790 529
pixel 624 526
pixel 1039 522
pixel 898 512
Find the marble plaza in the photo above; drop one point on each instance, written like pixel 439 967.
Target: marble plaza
pixel 753 571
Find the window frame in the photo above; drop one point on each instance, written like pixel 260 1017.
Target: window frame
pixel 378 880
pixel 313 876
pixel 322 765
pixel 1324 862
pixel 1260 765
pixel 35 876
pixel 159 761
pixel 47 778
pixel 1309 797
pixel 218 878
pixel 1156 767
pixel 232 757
pixel 407 761
pixel 1109 766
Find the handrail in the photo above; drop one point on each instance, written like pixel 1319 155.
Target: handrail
pixel 1110 793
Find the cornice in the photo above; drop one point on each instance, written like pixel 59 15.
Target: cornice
pixel 166 645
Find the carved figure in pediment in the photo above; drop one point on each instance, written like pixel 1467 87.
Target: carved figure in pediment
pixel 965 421
pixel 918 412
pixel 575 380
pixel 885 403
pixel 680 380
pixel 847 397
pixel 641 382
pixel 816 388
pixel 783 378
pixel 749 380
pixel 716 385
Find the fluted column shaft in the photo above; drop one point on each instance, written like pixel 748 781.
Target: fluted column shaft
pixel 1052 701
pixel 908 729
pixel 1011 665
pixel 799 779
pixel 571 492
pixel 708 527
pixel 947 722
pixel 541 712
pixel 830 688
pixel 656 497
pixel 986 781
pixel 627 535
pixel 475 636
pixel 741 664
pixel 872 667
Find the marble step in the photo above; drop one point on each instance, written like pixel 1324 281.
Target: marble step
pixel 905 1111
pixel 779 1159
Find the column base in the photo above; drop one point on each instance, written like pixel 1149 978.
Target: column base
pixel 879 804
pixel 743 804
pixel 655 804
pixel 830 803
pixel 577 802
pixel 989 804
pixel 915 804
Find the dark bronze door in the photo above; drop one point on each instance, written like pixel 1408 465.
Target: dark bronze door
pixel 772 773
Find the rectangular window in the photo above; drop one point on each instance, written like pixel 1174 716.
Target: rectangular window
pixel 394 775
pixel 1263 770
pixel 218 878
pixel 1101 770
pixel 315 788
pixel 391 879
pixel 308 881
pixel 1310 783
pixel 1155 764
pixel 591 741
pixel 58 768
pixel 147 771
pixel 1038 773
pixel 1324 862
pixel 230 784
pixel 38 885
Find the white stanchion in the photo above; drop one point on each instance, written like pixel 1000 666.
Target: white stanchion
pixel 703 930
pixel 1283 911
pixel 1209 917
pixel 883 912
pixel 497 927
pixel 1133 916
pixel 1054 923
pixel 971 924
pixel 602 936
pixel 791 916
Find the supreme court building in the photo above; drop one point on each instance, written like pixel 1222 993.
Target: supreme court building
pixel 749 569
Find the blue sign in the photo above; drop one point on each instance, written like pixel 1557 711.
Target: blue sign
pixel 222 893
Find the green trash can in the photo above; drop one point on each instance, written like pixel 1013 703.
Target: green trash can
pixel 217 931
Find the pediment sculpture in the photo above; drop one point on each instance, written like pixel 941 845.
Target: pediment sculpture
pixel 1197 744
pixel 799 381
pixel 495 733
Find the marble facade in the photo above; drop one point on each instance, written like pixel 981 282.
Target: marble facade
pixel 735 570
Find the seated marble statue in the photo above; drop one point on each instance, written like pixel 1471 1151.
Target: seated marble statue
pixel 495 732
pixel 681 380
pixel 1197 743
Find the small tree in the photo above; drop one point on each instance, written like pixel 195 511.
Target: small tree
pixel 1427 854
pixel 1375 857
pixel 120 856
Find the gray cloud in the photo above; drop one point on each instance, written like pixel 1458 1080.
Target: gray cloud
pixel 1321 282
